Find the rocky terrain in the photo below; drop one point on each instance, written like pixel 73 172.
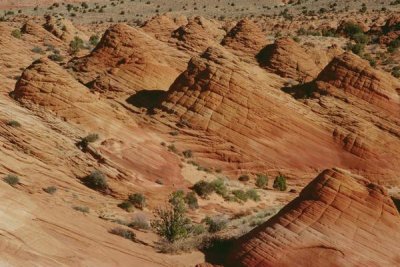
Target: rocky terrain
pixel 250 135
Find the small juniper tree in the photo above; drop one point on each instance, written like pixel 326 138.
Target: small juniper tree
pixel 280 182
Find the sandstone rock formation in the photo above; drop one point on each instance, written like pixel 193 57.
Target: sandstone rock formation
pixel 127 59
pixel 339 219
pixel 246 38
pixel 221 94
pixel 40 35
pixel 63 29
pixel 289 59
pixel 198 34
pixel 45 83
pixel 161 27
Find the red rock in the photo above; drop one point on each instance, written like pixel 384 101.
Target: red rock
pixel 339 219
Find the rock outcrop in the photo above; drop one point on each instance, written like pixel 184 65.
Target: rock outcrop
pixel 198 34
pixel 339 219
pixel 63 29
pixel 348 74
pixel 161 27
pixel 47 84
pixel 289 59
pixel 127 59
pixel 246 38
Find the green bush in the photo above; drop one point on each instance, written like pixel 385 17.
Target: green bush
pixel 96 180
pixel 14 123
pixel 81 209
pixel 138 200
pixel 125 233
pixel 56 57
pixel 76 45
pixel 37 50
pixel 94 40
pixel 191 200
pixel 140 221
pixel 240 195
pixel 360 38
pixel 84 142
pixel 261 181
pixel 16 33
pixel 126 205
pixel 50 190
pixel 219 187
pixel 253 195
pixel 171 223
pixel 216 224
pixel 280 182
pixel 187 153
pixel 203 188
pixel 11 179
pixel 351 29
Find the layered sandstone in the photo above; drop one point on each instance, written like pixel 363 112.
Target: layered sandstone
pixel 127 60
pixel 289 59
pixel 246 38
pixel 45 83
pixel 63 29
pixel 339 219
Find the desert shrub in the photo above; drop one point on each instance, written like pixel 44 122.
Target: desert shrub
pixel 396 71
pixel 177 200
pixel 76 45
pixel 90 138
pixel 351 29
pixel 261 181
pixel 357 49
pixel 96 180
pixel 280 182
pixel 197 229
pixel 50 190
pixel 56 57
pixel 11 179
pixel 360 38
pixel 140 221
pixel 81 209
pixel 203 188
pixel 138 200
pixel 13 123
pixel 219 186
pixel 216 224
pixel 37 50
pixel 126 205
pixel 16 34
pixel 191 200
pixel 187 153
pixel 171 223
pixel 125 233
pixel 94 40
pixel 240 195
pixel 179 246
pixel 253 195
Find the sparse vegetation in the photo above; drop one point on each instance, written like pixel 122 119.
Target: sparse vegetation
pixel 216 224
pixel 261 181
pixel 203 188
pixel 50 190
pixel 81 209
pixel 96 180
pixel 138 200
pixel 16 34
pixel 280 183
pixel 76 45
pixel 85 141
pixel 14 123
pixel 125 233
pixel 11 179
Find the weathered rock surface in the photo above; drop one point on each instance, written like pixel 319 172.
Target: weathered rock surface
pixel 127 59
pixel 221 94
pixel 45 83
pixel 246 38
pixel 198 34
pixel 63 29
pixel 339 219
pixel 289 59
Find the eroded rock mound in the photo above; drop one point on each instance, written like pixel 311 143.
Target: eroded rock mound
pixel 63 29
pixel 339 219
pixel 127 59
pixel 198 34
pixel 246 37
pixel 161 27
pixel 47 84
pixel 289 59
pixel 348 74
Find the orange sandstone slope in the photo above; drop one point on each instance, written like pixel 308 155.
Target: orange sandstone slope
pixel 339 219
pixel 128 60
pixel 362 104
pixel 240 102
pixel 289 59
